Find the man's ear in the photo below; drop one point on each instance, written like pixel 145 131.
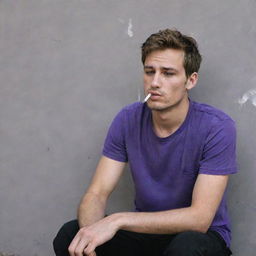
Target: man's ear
pixel 191 81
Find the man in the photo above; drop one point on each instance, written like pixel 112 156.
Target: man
pixel 180 154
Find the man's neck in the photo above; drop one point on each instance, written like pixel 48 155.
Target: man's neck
pixel 168 121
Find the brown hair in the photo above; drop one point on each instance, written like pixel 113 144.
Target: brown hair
pixel 173 39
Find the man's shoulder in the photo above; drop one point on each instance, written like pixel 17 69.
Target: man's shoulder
pixel 134 106
pixel 134 109
pixel 210 113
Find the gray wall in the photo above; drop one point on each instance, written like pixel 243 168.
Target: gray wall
pixel 67 67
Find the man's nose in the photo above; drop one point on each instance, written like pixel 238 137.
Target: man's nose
pixel 156 80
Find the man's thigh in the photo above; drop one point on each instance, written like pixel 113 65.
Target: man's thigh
pixel 126 243
pixel 193 243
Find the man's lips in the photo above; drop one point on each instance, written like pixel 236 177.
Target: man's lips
pixel 155 95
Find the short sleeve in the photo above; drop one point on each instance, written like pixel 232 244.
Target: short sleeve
pixel 219 153
pixel 114 145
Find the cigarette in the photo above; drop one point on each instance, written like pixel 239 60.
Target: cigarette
pixel 148 96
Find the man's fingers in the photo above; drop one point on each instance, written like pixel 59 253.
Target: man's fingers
pixel 89 250
pixel 78 245
pixel 80 248
pixel 73 245
pixel 93 254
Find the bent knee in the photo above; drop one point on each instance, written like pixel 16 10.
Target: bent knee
pixel 65 236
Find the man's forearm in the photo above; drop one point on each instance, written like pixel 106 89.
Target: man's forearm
pixel 91 209
pixel 165 222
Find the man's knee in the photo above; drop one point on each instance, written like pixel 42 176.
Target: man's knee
pixel 190 243
pixel 64 237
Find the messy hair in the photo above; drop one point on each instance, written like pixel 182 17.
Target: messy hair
pixel 173 39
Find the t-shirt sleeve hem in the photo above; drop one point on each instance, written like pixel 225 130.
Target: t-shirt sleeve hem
pixel 218 172
pixel 114 157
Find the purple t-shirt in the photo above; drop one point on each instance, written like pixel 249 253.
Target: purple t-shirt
pixel 164 170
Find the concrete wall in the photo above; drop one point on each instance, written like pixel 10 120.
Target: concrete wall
pixel 68 66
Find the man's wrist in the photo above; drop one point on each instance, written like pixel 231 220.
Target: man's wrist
pixel 119 220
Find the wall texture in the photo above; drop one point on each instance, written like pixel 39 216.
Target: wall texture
pixel 68 66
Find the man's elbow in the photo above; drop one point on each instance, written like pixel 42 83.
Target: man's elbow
pixel 201 221
pixel 202 225
pixel 202 228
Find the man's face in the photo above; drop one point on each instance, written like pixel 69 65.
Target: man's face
pixel 165 79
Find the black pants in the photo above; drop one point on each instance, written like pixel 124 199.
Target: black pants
pixel 126 243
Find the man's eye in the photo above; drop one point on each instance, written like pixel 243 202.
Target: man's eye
pixel 168 73
pixel 149 72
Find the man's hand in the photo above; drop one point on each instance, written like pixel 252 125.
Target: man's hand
pixel 88 238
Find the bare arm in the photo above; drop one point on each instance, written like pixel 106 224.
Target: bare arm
pixel 93 203
pixel 207 194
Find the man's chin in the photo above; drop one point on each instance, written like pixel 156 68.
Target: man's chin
pixel 156 107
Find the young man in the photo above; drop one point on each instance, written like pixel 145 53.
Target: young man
pixel 180 154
